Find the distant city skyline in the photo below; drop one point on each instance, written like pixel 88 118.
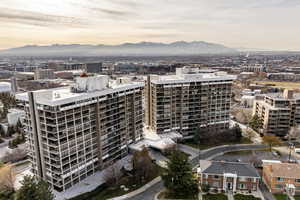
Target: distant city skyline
pixel 271 24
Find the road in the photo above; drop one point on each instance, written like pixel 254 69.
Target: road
pixel 205 154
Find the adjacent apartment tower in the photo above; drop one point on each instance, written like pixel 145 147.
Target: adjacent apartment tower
pixel 73 132
pixel 278 112
pixel 190 99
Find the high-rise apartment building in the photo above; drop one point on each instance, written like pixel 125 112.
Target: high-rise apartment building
pixel 95 67
pixel 73 132
pixel 278 112
pixel 44 74
pixel 192 98
pixel 14 84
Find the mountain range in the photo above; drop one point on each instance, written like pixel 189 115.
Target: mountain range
pixel 126 49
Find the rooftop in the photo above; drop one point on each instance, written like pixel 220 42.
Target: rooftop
pixel 190 74
pixel 285 170
pixel 279 96
pixel 220 167
pixel 64 95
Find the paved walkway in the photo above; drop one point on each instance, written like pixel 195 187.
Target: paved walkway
pixel 230 196
pixel 138 191
pixel 291 198
pixel 265 191
pixel 200 197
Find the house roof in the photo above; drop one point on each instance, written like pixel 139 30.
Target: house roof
pixel 241 169
pixel 284 170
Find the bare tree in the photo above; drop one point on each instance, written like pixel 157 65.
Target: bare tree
pixel 113 174
pixel 7 178
pixel 294 133
pixel 243 116
pixel 143 167
pixel 15 155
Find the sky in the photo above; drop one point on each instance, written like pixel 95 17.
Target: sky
pixel 261 24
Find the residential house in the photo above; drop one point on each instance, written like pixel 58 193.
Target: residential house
pixel 229 176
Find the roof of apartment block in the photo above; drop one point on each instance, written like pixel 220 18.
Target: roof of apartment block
pixel 285 170
pixel 64 95
pixel 279 96
pixel 197 77
pixel 221 167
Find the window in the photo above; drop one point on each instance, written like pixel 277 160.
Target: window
pixel 216 177
pixel 280 179
pixel 279 186
pixel 297 180
pixel 242 186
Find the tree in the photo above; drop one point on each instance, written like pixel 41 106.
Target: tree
pixel 15 155
pixel 271 141
pixel 205 188
pixel 256 122
pixel 2 131
pixel 243 116
pixel 34 190
pixel 10 131
pixel 294 133
pixel 112 174
pixel 199 135
pixel 143 167
pixel 7 178
pixel 237 131
pixel 179 179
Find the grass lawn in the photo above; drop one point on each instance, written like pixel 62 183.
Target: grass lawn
pixel 104 192
pixel 215 197
pixel 280 196
pixel 245 197
pixel 166 195
pixel 297 197
pixel 190 143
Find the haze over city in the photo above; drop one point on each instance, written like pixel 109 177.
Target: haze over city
pixel 256 24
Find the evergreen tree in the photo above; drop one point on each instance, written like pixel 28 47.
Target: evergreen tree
pixel 238 132
pixel 44 191
pixel 10 131
pixel 19 127
pixel 256 122
pixel 2 131
pixel 197 136
pixel 34 190
pixel 179 179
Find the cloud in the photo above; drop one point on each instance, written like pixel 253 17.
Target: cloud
pixel 113 13
pixel 38 19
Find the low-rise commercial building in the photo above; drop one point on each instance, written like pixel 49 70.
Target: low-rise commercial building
pixel 282 177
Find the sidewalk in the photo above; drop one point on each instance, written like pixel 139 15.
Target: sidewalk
pixel 138 191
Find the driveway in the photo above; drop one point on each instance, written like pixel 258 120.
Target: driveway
pixel 189 150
